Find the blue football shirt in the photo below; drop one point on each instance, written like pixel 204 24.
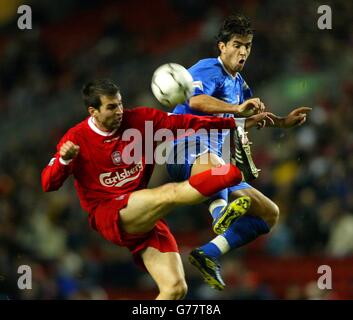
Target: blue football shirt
pixel 210 77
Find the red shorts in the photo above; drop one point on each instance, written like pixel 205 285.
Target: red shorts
pixel 105 220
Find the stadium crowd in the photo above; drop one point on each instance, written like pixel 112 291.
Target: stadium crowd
pixel 306 171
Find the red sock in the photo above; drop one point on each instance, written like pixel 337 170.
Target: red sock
pixel 213 180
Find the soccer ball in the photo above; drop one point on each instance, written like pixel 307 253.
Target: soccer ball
pixel 172 84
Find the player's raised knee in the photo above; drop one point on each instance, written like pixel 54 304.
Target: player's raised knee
pixel 273 216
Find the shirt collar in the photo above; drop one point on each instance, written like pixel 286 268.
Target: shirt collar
pixel 224 68
pixel 94 127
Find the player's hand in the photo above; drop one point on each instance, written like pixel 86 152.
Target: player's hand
pixel 296 117
pixel 69 150
pixel 251 107
pixel 258 120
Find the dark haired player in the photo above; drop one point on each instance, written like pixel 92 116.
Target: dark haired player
pixel 220 90
pixel 113 190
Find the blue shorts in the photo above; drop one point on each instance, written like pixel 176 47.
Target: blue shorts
pixel 179 168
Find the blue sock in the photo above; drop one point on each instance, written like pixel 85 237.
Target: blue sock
pixel 242 231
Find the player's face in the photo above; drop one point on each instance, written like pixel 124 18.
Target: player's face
pixel 235 52
pixel 110 113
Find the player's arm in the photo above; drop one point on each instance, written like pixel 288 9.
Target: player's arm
pixel 59 167
pixel 295 118
pixel 208 104
pixel 188 121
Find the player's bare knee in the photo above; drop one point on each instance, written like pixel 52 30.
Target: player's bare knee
pixel 180 290
pixel 266 209
pixel 273 215
pixel 175 290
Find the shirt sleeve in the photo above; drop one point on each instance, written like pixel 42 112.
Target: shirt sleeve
pixel 57 170
pixel 173 122
pixel 203 83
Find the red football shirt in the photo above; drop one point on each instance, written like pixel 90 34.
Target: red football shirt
pixel 99 169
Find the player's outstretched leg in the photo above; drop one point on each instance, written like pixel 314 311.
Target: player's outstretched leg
pixel 145 207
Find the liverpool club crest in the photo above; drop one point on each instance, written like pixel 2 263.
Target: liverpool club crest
pixel 116 157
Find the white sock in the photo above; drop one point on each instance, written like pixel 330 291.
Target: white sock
pixel 221 243
pixel 218 203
